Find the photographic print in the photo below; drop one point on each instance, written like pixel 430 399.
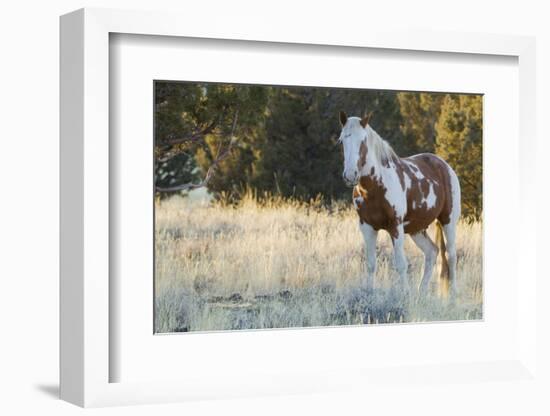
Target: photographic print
pixel 294 207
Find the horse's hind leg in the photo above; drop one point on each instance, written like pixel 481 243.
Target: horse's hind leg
pixel 450 236
pixel 430 250
pixel 400 260
pixel 449 230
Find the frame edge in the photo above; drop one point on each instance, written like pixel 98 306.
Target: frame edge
pixel 71 202
pixel 83 355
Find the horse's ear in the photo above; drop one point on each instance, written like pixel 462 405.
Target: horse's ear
pixel 365 120
pixel 343 118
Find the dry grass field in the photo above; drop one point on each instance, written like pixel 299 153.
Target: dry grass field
pixel 278 264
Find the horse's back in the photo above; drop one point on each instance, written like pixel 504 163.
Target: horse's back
pixel 429 190
pixel 433 192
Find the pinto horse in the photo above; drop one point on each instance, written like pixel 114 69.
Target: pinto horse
pixel 401 196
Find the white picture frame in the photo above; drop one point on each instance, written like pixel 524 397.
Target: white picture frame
pixel 85 354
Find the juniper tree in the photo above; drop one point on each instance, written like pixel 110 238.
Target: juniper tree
pixel 459 140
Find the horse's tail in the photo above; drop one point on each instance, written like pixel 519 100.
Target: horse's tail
pixel 444 265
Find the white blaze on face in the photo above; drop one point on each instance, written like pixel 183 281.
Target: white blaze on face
pixel 351 137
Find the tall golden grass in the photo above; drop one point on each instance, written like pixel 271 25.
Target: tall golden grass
pixel 274 263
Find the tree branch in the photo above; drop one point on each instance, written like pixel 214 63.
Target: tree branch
pixel 193 137
pixel 468 182
pixel 220 155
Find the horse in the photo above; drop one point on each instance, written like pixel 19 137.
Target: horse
pixel 401 196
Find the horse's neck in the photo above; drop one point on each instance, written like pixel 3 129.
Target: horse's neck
pixel 374 172
pixel 378 171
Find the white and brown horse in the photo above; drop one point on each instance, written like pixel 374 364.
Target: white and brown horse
pixel 401 196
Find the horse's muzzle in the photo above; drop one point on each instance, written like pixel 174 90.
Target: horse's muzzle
pixel 349 183
pixel 350 178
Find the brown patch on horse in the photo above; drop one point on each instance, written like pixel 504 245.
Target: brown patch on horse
pixel 359 198
pixel 435 177
pixel 362 161
pixel 401 175
pixel 380 214
pixel 376 210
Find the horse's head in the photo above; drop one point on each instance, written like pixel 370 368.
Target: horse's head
pixel 354 139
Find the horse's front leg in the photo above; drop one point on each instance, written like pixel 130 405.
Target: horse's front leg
pixel 369 235
pixel 400 260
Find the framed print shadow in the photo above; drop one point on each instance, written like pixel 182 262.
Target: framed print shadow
pixel 289 206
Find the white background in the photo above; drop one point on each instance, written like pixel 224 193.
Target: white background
pixel 29 208
pixel 137 60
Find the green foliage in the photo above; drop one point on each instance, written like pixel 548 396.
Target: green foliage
pixel 186 114
pixel 234 173
pixel 460 142
pixel 419 112
pixel 298 155
pixel 286 136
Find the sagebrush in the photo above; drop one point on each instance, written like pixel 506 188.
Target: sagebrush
pixel 277 263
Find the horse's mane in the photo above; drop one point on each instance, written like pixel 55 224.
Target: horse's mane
pixel 380 148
